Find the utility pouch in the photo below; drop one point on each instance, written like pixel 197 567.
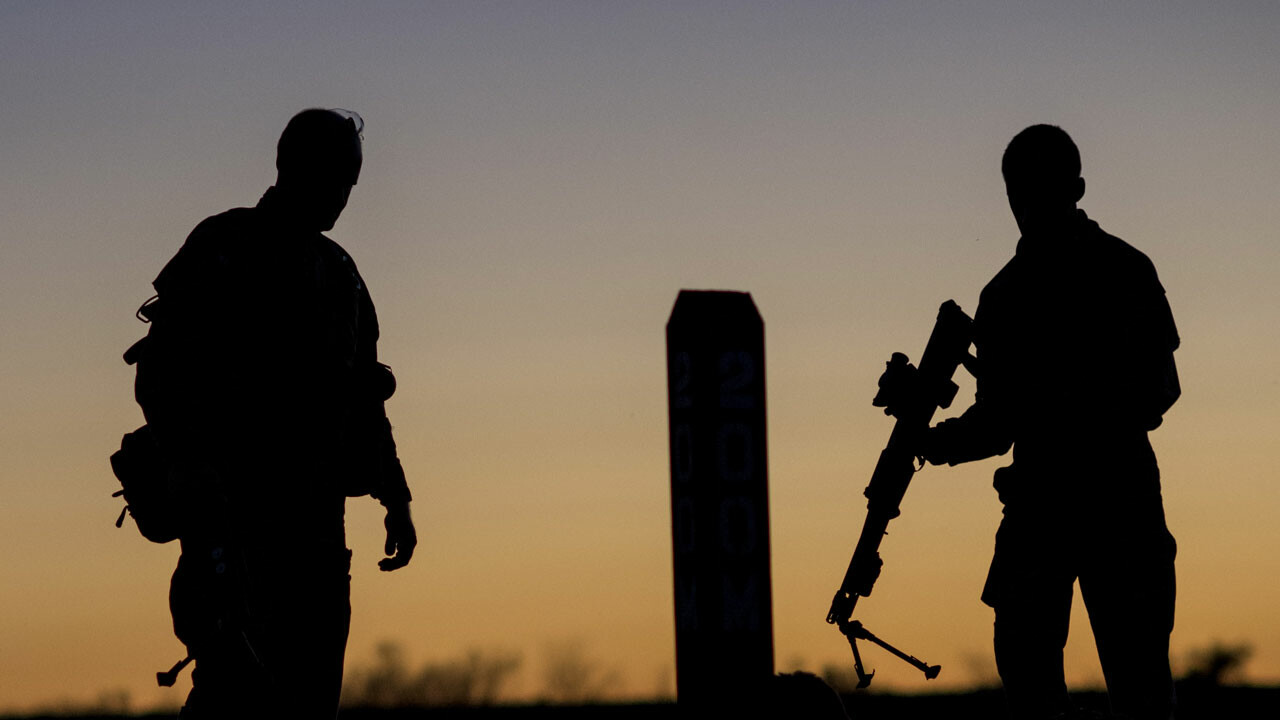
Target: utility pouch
pixel 379 382
pixel 144 474
pixel 1006 482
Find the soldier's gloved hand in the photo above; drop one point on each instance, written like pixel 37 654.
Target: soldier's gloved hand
pixel 935 445
pixel 401 537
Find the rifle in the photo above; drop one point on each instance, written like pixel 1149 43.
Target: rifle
pixel 912 396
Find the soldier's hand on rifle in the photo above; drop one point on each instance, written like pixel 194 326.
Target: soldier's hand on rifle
pixel 401 537
pixel 935 445
pixel 963 439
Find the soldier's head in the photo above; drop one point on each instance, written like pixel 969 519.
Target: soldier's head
pixel 1041 170
pixel 318 161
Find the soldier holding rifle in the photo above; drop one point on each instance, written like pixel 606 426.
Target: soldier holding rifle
pixel 1075 343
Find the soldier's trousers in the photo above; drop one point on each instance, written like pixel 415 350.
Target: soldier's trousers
pixel 288 662
pixel 1122 553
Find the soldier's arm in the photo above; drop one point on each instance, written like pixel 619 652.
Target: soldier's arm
pixel 1154 379
pixel 392 490
pixel 387 484
pixel 982 431
pixel 977 434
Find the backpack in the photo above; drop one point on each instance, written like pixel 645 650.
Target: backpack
pixel 143 468
pixel 145 471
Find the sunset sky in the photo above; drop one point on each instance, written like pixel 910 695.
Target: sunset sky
pixel 540 180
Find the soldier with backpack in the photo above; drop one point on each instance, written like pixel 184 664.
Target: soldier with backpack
pixel 264 401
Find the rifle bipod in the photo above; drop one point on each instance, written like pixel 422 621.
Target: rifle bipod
pixel 854 631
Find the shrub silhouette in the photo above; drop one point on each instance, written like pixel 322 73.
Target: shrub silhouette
pixel 1218 664
pixel 570 677
pixel 472 680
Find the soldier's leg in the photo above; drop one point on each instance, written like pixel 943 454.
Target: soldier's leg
pixel 311 677
pixel 1129 590
pixel 226 682
pixel 310 619
pixel 1030 588
pixel 228 678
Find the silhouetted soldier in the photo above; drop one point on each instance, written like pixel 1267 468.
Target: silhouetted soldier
pixel 1075 346
pixel 274 415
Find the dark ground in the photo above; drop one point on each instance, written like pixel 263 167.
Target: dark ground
pixel 1215 703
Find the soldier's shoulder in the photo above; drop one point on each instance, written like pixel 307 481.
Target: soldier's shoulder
pixel 331 246
pixel 343 259
pixel 1113 248
pixel 221 230
pixel 1123 259
pixel 339 254
pixel 208 246
pixel 1002 281
pixel 232 219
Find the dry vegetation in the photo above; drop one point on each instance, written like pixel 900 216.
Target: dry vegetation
pixel 476 679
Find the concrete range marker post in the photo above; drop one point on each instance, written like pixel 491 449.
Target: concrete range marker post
pixel 719 498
